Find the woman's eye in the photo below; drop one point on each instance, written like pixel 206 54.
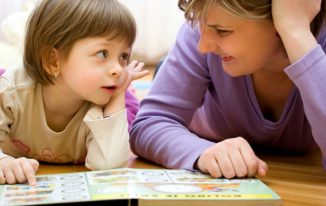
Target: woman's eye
pixel 222 32
pixel 102 54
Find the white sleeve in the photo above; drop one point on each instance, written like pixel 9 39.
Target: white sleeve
pixel 7 110
pixel 3 155
pixel 108 142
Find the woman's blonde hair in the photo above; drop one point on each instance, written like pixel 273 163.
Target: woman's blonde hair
pixel 60 23
pixel 253 9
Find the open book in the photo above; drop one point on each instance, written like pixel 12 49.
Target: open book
pixel 128 186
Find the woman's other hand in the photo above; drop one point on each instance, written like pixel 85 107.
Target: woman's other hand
pixel 231 158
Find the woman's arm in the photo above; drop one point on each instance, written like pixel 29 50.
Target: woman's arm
pixel 160 131
pixel 292 19
pixel 309 76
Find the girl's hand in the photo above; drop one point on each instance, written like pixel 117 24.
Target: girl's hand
pixel 117 101
pixel 18 170
pixel 134 71
pixel 231 158
pixel 294 14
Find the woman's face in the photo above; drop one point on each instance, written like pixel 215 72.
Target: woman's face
pixel 244 45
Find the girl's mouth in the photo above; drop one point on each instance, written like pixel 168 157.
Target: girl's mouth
pixel 109 89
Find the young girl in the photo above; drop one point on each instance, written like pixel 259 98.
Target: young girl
pixel 248 74
pixel 68 103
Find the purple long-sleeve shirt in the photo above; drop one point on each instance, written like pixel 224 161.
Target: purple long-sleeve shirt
pixel 193 104
pixel 132 107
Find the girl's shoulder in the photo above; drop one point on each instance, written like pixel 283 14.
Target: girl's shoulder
pixel 15 78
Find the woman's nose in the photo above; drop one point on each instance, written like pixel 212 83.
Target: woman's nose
pixel 206 43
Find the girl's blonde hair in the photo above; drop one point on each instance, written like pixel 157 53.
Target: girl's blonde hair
pixel 60 23
pixel 253 9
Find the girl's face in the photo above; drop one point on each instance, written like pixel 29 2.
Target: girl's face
pixel 95 68
pixel 245 46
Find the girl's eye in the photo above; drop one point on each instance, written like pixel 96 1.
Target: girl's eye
pixel 124 59
pixel 125 56
pixel 102 54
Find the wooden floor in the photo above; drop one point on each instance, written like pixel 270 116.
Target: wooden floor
pixel 299 180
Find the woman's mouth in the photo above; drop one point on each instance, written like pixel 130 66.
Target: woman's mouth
pixel 227 58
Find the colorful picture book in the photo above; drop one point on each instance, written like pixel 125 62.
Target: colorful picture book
pixel 128 186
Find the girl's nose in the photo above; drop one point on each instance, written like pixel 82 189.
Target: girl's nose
pixel 115 70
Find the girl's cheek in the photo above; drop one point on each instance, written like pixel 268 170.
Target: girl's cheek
pixel 123 77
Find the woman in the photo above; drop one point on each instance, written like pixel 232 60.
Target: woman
pixel 242 75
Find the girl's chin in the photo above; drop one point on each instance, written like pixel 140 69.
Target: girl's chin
pixel 102 102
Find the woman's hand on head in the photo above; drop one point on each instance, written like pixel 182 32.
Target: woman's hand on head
pixel 292 20
pixel 289 15
pixel 18 170
pixel 231 158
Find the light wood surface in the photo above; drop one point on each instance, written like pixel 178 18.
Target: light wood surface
pixel 299 180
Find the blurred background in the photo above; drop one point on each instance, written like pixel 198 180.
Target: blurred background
pixel 157 23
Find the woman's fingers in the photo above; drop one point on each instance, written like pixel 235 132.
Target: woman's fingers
pixel 250 160
pixel 239 164
pixel 262 168
pixel 225 165
pixel 231 158
pixel 213 168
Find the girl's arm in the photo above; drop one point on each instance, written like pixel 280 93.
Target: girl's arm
pixel 12 170
pixel 132 106
pixel 108 142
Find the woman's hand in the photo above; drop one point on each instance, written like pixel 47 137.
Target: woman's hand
pixel 294 14
pixel 18 170
pixel 292 20
pixel 231 158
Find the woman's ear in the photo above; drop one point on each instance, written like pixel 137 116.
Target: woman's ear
pixel 50 61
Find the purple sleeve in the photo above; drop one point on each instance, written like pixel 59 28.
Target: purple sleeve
pixel 160 131
pixel 131 106
pixel 309 76
pixel 2 71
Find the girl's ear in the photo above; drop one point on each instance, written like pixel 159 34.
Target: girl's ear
pixel 50 61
